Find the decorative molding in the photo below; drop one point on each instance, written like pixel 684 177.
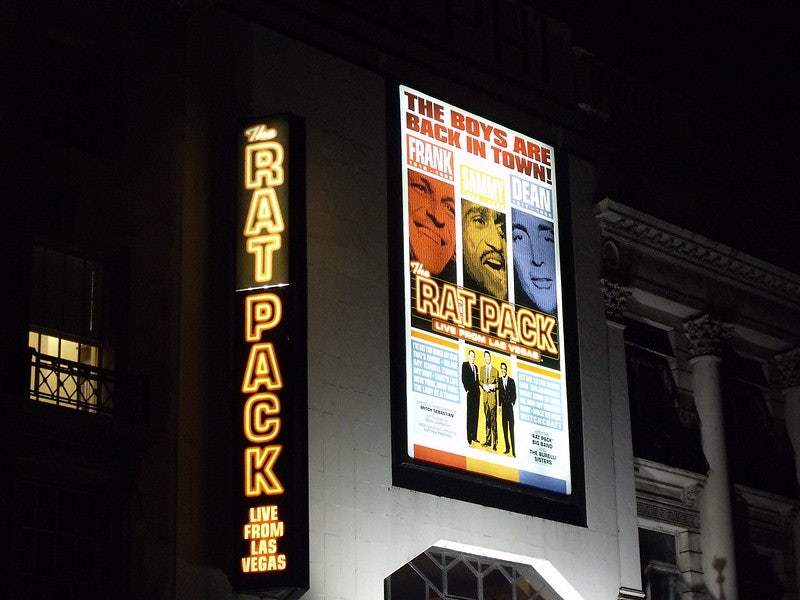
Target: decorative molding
pixel 770 511
pixel 693 494
pixel 615 298
pixel 706 336
pixel 789 367
pixel 664 513
pixel 667 495
pixel 653 236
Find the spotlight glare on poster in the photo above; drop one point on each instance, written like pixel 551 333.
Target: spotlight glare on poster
pixel 486 391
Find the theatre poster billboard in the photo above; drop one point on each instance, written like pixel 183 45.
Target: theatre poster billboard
pixel 485 369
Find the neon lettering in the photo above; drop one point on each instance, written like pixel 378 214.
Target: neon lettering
pixel 259 477
pixel 261 313
pixel 263 165
pixel 264 213
pixel 261 421
pixel 262 369
pixel 262 249
pixel 259 426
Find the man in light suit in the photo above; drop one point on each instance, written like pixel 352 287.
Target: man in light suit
pixel 507 391
pixel 488 377
pixel 469 379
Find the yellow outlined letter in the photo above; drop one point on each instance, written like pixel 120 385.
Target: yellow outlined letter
pixel 264 213
pixel 261 312
pixel 258 476
pixel 262 369
pixel 259 427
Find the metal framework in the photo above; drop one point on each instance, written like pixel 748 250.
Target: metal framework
pixel 87 388
pixel 450 575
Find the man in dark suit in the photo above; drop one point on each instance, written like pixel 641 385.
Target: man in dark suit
pixel 469 379
pixel 507 391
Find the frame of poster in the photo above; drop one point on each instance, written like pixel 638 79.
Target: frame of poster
pixel 485 384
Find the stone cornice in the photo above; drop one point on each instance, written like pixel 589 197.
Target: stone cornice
pixel 681 247
pixel 665 513
pixel 667 495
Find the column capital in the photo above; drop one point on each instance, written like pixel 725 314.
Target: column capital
pixel 615 297
pixel 789 367
pixel 706 336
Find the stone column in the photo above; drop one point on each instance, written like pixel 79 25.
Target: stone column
pixel 706 337
pixel 616 299
pixel 789 368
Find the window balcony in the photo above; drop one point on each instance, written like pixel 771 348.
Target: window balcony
pixel 87 388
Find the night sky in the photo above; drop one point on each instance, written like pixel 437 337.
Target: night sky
pixel 739 60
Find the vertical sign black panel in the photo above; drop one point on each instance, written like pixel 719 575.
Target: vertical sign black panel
pixel 271 491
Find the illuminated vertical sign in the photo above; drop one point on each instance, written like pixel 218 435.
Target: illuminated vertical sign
pixel 487 395
pixel 269 296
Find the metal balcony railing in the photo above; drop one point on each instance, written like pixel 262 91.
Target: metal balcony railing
pixel 87 388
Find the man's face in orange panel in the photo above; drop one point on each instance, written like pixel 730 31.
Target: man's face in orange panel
pixel 432 220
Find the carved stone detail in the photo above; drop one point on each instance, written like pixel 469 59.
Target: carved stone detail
pixel 706 336
pixel 615 297
pixel 692 494
pixel 650 235
pixel 789 367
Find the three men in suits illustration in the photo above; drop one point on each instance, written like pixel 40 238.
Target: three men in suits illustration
pixel 487 386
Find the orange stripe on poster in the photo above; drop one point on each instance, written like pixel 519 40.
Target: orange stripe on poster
pixel 534 369
pixel 435 340
pixel 439 457
pixel 448 459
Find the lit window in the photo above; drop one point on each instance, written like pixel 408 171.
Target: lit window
pixel 59 374
pixel 67 322
pixel 69 350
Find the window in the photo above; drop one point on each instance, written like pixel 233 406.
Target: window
pixel 660 573
pixel 67 294
pixel 59 538
pixel 67 324
pixel 664 429
pixel 81 96
pixel 759 450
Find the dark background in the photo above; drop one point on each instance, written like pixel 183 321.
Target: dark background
pixel 739 60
